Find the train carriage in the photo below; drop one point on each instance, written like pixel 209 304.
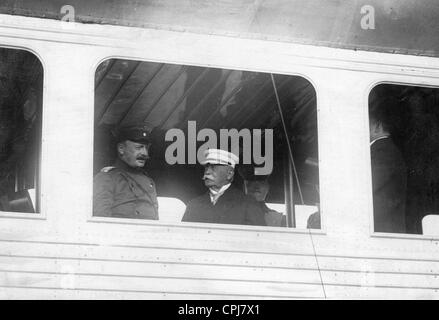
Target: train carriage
pixel 306 70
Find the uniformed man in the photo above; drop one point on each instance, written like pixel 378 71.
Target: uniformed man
pixel 223 203
pixel 124 190
pixel 389 177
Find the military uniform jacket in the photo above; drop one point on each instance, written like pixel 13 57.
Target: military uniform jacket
pixel 233 207
pixel 124 192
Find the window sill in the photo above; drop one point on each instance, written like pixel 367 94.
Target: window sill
pixel 200 225
pixel 400 236
pixel 22 215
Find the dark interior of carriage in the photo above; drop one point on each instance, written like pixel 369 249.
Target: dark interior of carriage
pixel 411 114
pixel 167 96
pixel 21 91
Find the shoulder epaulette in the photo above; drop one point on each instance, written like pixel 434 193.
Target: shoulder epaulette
pixel 107 169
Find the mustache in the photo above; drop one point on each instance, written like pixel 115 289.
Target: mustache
pixel 142 158
pixel 205 177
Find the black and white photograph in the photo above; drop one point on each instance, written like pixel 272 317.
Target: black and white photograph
pixel 229 150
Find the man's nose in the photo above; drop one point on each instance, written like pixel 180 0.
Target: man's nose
pixel 207 170
pixel 144 151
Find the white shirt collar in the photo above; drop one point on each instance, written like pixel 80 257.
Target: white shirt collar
pixel 379 138
pixel 214 195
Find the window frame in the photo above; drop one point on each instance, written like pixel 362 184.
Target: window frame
pixel 368 91
pixel 42 214
pixel 217 226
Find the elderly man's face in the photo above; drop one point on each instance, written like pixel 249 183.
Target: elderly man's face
pixel 258 189
pixel 217 175
pixel 133 154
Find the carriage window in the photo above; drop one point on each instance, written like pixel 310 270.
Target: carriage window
pixel 404 135
pixel 21 87
pixel 196 144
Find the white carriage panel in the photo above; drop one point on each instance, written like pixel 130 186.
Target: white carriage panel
pixel 16 229
pixel 214 237
pixel 152 284
pixel 368 264
pixel 338 261
pixel 17 293
pixel 344 184
pixel 346 292
pixel 67 164
pixel 74 269
pixel 411 247
pixel 223 240
pixel 385 280
pixel 151 269
pixel 129 231
pixel 68 254
pixel 14 293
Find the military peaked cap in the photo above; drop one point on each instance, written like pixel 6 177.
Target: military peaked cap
pixel 140 134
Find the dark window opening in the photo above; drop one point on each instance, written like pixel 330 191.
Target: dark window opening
pixel 404 129
pixel 21 93
pixel 166 97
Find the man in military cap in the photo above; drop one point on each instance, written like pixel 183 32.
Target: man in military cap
pixel 124 190
pixel 223 203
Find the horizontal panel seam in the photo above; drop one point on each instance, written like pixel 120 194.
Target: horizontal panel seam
pixel 224 251
pixel 160 292
pixel 160 277
pixel 230 280
pixel 220 265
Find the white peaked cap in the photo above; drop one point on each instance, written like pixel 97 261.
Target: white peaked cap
pixel 218 156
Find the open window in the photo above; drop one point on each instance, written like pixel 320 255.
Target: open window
pixel 277 110
pixel 404 134
pixel 21 93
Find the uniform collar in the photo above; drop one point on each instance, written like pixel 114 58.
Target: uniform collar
pixel 215 195
pixel 379 138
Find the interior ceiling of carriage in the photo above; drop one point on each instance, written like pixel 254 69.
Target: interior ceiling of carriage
pixel 20 71
pixel 168 96
pixel 401 26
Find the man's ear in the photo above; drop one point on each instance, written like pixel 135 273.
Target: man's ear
pixel 120 148
pixel 373 128
pixel 231 173
pixel 379 129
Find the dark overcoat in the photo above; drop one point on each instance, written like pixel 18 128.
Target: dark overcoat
pixel 233 207
pixel 389 180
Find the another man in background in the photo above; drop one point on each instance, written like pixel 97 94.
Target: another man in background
pixel 389 174
pixel 257 186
